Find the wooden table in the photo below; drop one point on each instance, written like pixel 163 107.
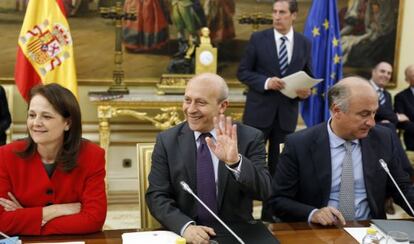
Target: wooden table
pixel 284 232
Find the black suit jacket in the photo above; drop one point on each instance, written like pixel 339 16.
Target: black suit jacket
pixel 385 111
pixel 302 180
pixel 261 62
pixel 5 118
pixel 404 103
pixel 174 160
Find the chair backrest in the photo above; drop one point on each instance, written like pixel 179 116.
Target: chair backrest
pixel 144 152
pixel 9 97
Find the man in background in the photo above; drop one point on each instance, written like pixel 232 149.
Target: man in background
pixel 385 116
pixel 271 55
pixel 404 104
pixel 381 75
pixel 330 173
pixel 224 163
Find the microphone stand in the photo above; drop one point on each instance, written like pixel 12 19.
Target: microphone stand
pixel 385 167
pixel 187 188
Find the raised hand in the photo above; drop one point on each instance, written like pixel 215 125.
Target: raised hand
pixel 225 146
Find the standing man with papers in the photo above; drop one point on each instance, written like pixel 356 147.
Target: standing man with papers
pixel 271 55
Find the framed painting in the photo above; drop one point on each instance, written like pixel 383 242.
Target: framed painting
pixel 370 28
pixel 94 36
pixel 369 35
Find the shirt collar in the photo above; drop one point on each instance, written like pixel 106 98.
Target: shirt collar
pixel 288 35
pixel 412 89
pixel 334 140
pixel 198 133
pixel 376 87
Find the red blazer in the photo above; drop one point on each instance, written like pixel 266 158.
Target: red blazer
pixel 27 179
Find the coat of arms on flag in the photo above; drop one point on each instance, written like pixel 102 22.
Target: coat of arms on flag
pixel 45 50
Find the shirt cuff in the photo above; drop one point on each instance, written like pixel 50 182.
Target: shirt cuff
pixel 311 214
pixel 236 170
pixel 266 84
pixel 185 227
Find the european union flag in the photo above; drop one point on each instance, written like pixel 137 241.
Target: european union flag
pixel 322 29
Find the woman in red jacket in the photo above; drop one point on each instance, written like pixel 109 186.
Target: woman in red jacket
pixel 53 181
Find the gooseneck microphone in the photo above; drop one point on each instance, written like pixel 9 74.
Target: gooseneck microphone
pixel 386 169
pixel 187 188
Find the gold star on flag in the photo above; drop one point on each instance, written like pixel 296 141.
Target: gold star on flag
pixel 335 42
pixel 314 91
pixel 326 24
pixel 337 59
pixel 315 31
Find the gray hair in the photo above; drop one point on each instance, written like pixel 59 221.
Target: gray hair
pixel 338 94
pixel 211 77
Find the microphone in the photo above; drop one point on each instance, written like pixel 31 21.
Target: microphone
pixel 187 188
pixel 386 169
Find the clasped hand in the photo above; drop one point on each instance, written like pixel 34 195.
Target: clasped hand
pixel 48 212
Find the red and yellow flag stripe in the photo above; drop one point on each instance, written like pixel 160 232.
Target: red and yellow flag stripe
pixel 45 48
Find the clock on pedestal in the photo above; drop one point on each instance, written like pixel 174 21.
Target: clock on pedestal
pixel 206 54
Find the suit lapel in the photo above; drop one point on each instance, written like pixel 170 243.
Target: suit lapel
pixel 223 173
pixel 369 166
pixel 272 49
pixel 322 162
pixel 295 53
pixel 410 98
pixel 187 146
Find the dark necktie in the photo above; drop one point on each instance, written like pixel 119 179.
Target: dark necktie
pixel 381 96
pixel 346 192
pixel 206 185
pixel 283 56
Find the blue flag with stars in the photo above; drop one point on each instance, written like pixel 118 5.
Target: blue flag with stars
pixel 322 29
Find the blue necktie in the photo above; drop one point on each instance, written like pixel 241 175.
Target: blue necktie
pixel 283 56
pixel 206 185
pixel 381 96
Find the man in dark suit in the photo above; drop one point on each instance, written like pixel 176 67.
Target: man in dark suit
pixel 261 70
pixel 385 116
pixel 5 118
pixel 404 104
pixel 236 153
pixel 330 173
pixel 381 75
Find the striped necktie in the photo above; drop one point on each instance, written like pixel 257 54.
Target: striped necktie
pixel 283 56
pixel 346 192
pixel 381 96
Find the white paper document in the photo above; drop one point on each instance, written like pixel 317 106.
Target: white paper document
pixel 64 242
pixel 298 80
pixel 358 233
pixel 153 237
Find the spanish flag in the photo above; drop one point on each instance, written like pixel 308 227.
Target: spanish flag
pixel 45 48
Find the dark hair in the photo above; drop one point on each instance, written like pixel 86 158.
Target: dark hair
pixel 65 103
pixel 293 5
